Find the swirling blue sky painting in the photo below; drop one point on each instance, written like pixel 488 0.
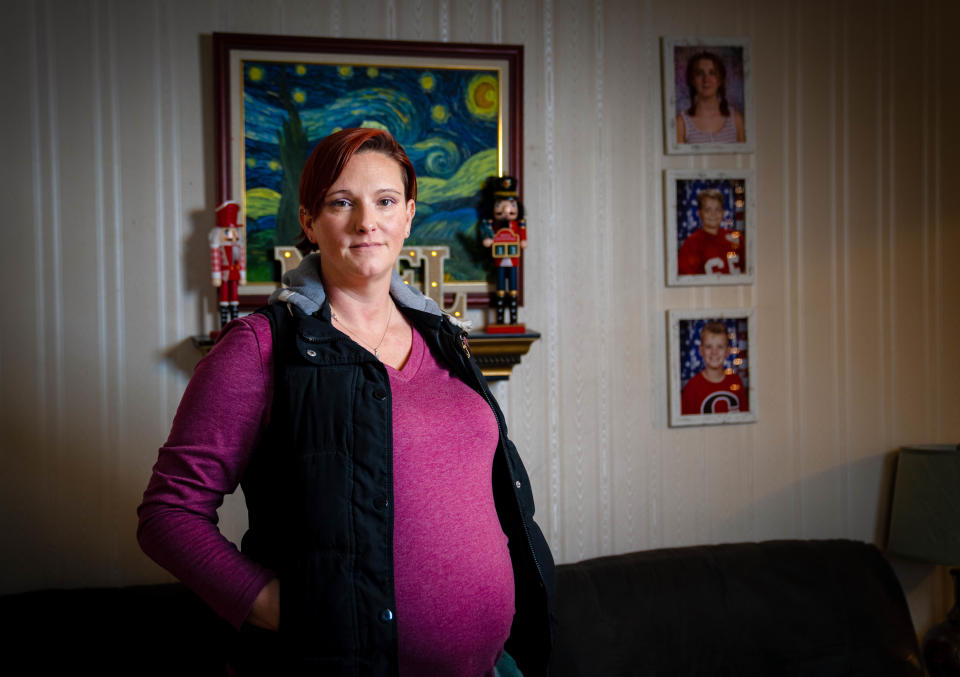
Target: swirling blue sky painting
pixel 445 118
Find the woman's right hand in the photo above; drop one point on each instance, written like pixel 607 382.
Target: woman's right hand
pixel 266 607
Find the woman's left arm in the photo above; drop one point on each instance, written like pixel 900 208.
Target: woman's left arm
pixel 213 434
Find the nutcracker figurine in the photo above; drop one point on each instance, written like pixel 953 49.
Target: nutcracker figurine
pixel 504 231
pixel 227 260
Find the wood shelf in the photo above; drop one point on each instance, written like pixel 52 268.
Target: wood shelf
pixel 498 354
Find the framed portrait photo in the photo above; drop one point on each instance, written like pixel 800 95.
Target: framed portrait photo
pixel 707 95
pixel 711 226
pixel 455 108
pixel 712 380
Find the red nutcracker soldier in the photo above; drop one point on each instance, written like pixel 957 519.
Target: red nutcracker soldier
pixel 228 262
pixel 506 236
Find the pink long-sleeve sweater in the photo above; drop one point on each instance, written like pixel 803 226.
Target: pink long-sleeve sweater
pixel 453 577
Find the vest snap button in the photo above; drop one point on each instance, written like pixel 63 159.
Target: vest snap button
pixel 380 395
pixel 518 484
pixel 386 615
pixel 312 352
pixel 380 503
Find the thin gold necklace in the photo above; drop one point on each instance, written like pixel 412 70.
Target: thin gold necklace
pixel 375 349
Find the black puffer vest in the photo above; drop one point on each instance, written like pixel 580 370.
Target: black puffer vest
pixel 319 491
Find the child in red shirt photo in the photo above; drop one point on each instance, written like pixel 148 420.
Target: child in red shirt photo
pixel 711 249
pixel 716 389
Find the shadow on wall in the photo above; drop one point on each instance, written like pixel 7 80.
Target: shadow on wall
pixel 823 499
pixel 182 356
pixel 69 507
pixel 196 246
pixel 866 482
pixel 196 268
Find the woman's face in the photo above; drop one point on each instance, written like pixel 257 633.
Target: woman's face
pixel 711 215
pixel 363 221
pixel 706 78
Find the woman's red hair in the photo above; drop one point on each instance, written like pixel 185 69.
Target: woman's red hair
pixel 332 154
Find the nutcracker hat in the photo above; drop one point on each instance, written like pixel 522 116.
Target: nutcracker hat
pixel 505 186
pixel 227 214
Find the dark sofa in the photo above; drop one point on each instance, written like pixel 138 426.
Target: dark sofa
pixel 775 609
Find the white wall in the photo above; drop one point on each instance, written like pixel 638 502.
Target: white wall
pixel 108 178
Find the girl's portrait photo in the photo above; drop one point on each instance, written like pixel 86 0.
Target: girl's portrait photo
pixel 707 95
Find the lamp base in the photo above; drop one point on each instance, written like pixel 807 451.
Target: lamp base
pixel 941 644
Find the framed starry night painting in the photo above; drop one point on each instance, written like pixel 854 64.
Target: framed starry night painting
pixel 712 366
pixel 455 108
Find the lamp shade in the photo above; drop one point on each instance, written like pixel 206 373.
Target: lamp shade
pixel 925 520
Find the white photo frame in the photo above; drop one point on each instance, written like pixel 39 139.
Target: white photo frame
pixel 694 398
pixel 733 57
pixel 694 257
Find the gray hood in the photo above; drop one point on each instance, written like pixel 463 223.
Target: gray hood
pixel 304 289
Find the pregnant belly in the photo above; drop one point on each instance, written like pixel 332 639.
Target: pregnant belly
pixel 454 590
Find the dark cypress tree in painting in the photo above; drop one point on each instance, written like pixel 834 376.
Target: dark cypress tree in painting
pixel 292 140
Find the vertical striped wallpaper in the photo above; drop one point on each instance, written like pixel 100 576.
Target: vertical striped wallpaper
pixel 108 187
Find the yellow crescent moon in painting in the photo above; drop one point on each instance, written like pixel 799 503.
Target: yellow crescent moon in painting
pixel 483 96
